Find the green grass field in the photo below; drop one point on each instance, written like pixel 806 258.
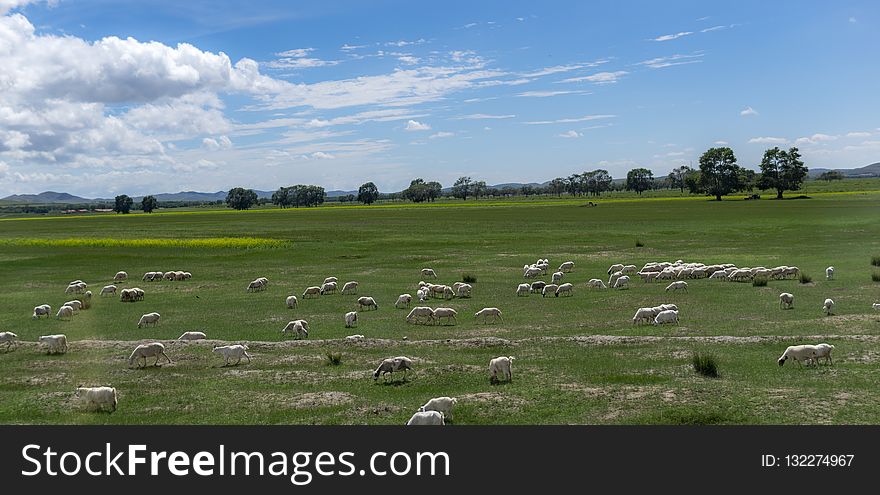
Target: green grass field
pixel 578 359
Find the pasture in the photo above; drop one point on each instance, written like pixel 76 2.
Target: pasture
pixel 578 360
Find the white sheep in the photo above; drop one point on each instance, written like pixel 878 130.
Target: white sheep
pixel 330 279
pixel 674 286
pixel 829 273
pixel 420 312
pixel 328 288
pixel 403 300
pixel 538 286
pixel 350 288
pixel 185 336
pixel 149 319
pixel 440 404
pixel 149 276
pixel 445 313
pixel 367 302
pixel 42 310
pixel 426 418
pixel 108 290
pixel 120 276
pixel 718 275
pixel 428 272
pixel 423 294
pixel 255 286
pixel 502 365
pixel 144 351
pixel 828 307
pixel 596 283
pixel 621 283
pixel 232 352
pixel 549 289
pixel 485 313
pixel 523 289
pixel 644 315
pixel 799 353
pixel 629 270
pixel 291 302
pixel 667 316
pixel 615 268
pixel 613 278
pixel 532 272
pixel 64 312
pixel 75 304
pixel 786 300
pixel 557 277
pixel 354 338
pixel 390 365
pixel 567 266
pixel 824 351
pixel 463 290
pixel 297 328
pixel 55 344
pixel 98 398
pixel 8 338
pixel 311 291
pixel 351 319
pixel 565 288
pixel 876 306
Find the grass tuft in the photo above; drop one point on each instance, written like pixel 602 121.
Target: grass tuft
pixel 333 358
pixel 805 278
pixel 705 364
pixel 468 278
pixel 759 282
pixel 639 243
pixel 875 276
pixel 875 260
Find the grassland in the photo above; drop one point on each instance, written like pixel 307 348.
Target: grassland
pixel 579 359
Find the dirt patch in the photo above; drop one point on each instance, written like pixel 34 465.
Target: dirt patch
pixel 493 398
pixel 318 399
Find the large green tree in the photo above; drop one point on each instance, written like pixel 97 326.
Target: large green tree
pixel 368 193
pixel 241 198
pixel 719 173
pixel 639 180
pixel 149 203
pixel 123 204
pixel 678 177
pixel 782 170
pixel 463 187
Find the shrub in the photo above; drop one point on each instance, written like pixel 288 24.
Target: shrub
pixel 759 282
pixel 805 278
pixel 875 260
pixel 639 243
pixel 875 276
pixel 334 358
pixel 468 278
pixel 705 364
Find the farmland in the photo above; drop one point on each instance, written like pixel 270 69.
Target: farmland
pixel 578 359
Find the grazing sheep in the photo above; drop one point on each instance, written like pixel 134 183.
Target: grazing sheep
pixel 350 288
pixel 403 300
pixel 718 275
pixel 829 273
pixel 824 351
pixel 876 306
pixel 621 283
pixel 667 307
pixel 503 365
pixel 428 272
pixel 799 353
pixel 75 304
pixel 76 287
pixel 390 365
pixel 355 337
pixel 557 277
pixel 64 312
pixel 485 313
pixel 311 291
pixel 426 418
pixel 42 310
pixel 567 266
pixel 613 278
pixel 629 270
pixel 297 328
pixel 828 307
pixel 596 283
pixel 615 268
pixel 98 398
pixel 256 286
pixel 423 294
pixel 148 276
pixel 440 404
pixel 86 300
pixel 448 292
pixel 645 315
pixel 185 336
pixel 523 289
pixel 445 313
pixel 108 290
pixel 538 286
pixel 533 272
pixel 351 319
pixel 144 351
pixel 291 302
pixel 328 288
pixel 120 276
pixel 565 288
pixel 667 316
pixel 137 294
pixel 263 280
pixel 55 344
pixel 677 285
pixel 463 290
pixel 367 302
pixel 8 338
pixel 232 352
pixel 149 319
pixel 786 300
pixel 331 279
pixel 420 312
pixel 549 289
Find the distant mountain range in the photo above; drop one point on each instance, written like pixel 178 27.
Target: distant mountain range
pixel 51 197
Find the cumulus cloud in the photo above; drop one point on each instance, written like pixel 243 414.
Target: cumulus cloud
pixel 748 112
pixel 768 140
pixel 320 155
pixel 815 139
pixel 414 125
pixel 221 143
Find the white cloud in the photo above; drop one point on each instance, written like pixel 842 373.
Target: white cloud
pixel 469 25
pixel 713 28
pixel 668 37
pixel 520 19
pixel 320 155
pixel 570 134
pixel 9 5
pixel 413 125
pixel 409 59
pixel 721 143
pixel 300 63
pixel 571 120
pixel 546 94
pixel 483 116
pixel 748 112
pixel 672 60
pixel 402 43
pixel 295 53
pixel 599 77
pixel 347 48
pixel 857 134
pixel 222 143
pixel 441 134
pixel 815 139
pixel 768 140
pixel 557 69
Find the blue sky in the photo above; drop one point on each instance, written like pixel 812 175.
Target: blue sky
pixel 108 97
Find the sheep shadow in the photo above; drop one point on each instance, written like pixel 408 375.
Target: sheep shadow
pixel 394 383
